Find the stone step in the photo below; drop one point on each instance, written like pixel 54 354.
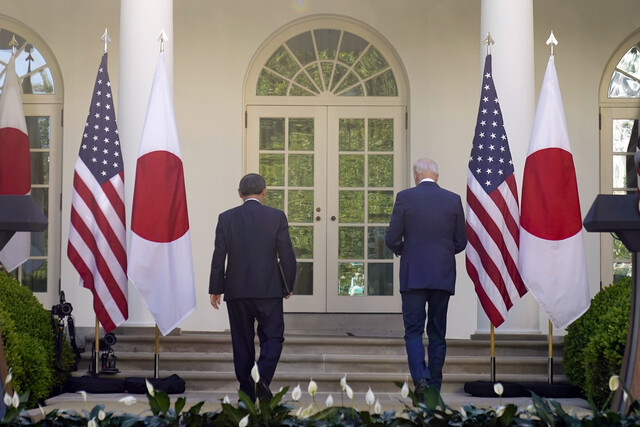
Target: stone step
pixel 299 344
pixel 329 363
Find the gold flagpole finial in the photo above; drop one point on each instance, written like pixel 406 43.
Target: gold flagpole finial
pixel 488 41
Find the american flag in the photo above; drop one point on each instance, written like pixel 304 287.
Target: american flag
pixel 492 210
pixel 97 238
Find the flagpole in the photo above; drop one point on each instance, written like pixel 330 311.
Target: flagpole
pixel 96 347
pixel 156 358
pixel 493 354
pixel 550 358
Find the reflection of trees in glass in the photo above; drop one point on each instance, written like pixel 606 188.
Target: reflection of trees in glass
pixel 351 134
pixel 313 62
pixel 302 241
pixel 381 170
pixel 380 206
pixel 300 206
pixel 350 242
pixel 271 167
pixel 351 170
pixel 301 170
pixel 381 135
pixel 351 206
pixel 301 134
pixel 304 279
pixel 271 133
pixel 274 198
pixel 351 278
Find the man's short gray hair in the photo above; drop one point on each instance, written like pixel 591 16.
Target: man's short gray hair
pixel 425 165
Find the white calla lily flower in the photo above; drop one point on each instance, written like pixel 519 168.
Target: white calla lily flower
pixel 404 392
pixel 15 400
pixel 128 400
pixel 312 388
pixel 101 415
pixel 349 391
pixel 150 389
pixel 329 402
pixel 83 394
pixel 92 423
pixel 244 422
pixel 498 388
pixel 255 373
pixel 370 398
pixel 225 399
pixel 7 399
pixel 377 408
pixel 614 382
pixel 343 382
pixel 296 393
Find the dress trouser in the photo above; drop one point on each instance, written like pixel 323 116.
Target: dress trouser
pixel 414 316
pixel 243 313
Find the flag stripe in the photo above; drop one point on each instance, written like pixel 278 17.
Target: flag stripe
pixel 496 315
pixel 97 234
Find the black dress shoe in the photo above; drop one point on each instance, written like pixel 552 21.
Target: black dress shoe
pixel 262 391
pixel 420 389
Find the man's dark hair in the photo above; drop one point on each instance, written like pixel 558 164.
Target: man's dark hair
pixel 251 184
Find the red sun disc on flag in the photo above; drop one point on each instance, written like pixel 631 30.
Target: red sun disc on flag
pixel 550 205
pixel 160 202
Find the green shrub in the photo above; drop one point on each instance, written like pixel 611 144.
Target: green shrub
pixel 28 340
pixel 595 343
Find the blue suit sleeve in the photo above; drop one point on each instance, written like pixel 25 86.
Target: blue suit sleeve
pixel 460 239
pixel 216 279
pixel 394 238
pixel 285 252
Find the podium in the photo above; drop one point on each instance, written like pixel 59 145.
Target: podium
pixel 19 213
pixel 620 214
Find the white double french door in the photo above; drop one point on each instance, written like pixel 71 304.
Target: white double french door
pixel 334 171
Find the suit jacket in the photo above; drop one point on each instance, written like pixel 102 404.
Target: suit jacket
pixel 251 238
pixel 426 230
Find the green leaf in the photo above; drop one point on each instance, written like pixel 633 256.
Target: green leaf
pixel 432 399
pixel 180 402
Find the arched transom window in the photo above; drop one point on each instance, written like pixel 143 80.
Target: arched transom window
pixel 625 79
pixel 31 67
pixel 326 60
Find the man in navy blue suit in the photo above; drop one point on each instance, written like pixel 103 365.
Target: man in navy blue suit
pixel 427 230
pixel 252 238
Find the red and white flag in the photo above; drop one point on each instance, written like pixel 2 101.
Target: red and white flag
pixel 97 235
pixel 160 263
pixel 492 210
pixel 552 257
pixel 15 163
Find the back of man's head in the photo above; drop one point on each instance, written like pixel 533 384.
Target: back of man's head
pixel 425 168
pixel 251 184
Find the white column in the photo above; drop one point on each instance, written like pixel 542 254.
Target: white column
pixel 510 23
pixel 141 22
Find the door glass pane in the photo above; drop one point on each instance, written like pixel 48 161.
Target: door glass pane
pixel 272 134
pixel 351 47
pixel 381 134
pixel 621 260
pixel 382 85
pixel 380 279
pixel 304 279
pixel 350 242
pixel 376 247
pixel 302 240
pixel 300 206
pixel 351 279
pixel 351 170
pixel 38 130
pixel 302 47
pixel 351 136
pixel 282 63
pixel 380 170
pixel 371 63
pixel 380 206
pixel 274 198
pixel 351 206
pixel 39 167
pixel 272 168
pixel 34 275
pixel 301 134
pixel 301 170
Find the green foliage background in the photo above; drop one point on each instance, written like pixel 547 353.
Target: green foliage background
pixel 28 340
pixel 595 343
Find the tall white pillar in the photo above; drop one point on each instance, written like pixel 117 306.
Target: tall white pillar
pixel 510 23
pixel 141 22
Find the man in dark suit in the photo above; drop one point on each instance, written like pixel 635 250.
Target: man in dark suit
pixel 427 230
pixel 252 238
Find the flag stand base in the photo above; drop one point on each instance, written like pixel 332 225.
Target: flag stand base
pixel 512 389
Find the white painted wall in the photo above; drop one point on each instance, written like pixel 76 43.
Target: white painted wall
pixel 214 42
